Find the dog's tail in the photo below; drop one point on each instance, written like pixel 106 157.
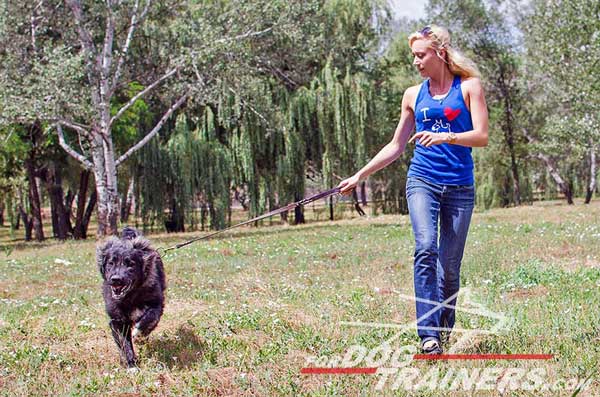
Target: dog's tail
pixel 129 233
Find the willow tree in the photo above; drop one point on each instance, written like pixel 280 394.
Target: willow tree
pixel 345 115
pixel 258 142
pixel 185 172
pixel 392 75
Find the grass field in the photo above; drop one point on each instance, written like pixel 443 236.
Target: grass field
pixel 245 312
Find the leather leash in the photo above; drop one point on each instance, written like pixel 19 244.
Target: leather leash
pixel 288 207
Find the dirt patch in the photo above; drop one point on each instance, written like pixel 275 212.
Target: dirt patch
pixel 526 293
pixel 97 344
pixel 299 318
pixel 588 263
pixel 408 314
pixel 383 290
pixel 312 384
pixel 593 263
pixel 253 337
pixel 223 382
pixel 180 311
pixel 165 380
pixel 564 251
pixel 567 256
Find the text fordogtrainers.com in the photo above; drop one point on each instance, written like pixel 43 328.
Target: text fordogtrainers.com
pixel 393 371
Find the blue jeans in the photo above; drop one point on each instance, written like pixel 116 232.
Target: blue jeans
pixel 437 263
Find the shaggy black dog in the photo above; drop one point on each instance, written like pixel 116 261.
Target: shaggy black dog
pixel 133 288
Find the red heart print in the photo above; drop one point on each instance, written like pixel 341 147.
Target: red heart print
pixel 450 113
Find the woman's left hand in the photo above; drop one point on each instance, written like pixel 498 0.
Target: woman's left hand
pixel 427 138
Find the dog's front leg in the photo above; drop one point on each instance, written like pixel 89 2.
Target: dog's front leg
pixel 121 333
pixel 148 321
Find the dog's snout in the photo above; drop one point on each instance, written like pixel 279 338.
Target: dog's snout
pixel 116 279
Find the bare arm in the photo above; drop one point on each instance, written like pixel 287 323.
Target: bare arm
pixel 390 152
pixel 478 137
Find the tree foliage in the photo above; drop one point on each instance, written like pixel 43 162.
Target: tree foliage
pixel 177 107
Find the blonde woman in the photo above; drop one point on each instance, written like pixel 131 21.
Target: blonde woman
pixel 450 115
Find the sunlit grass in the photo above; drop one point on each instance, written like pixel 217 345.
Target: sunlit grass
pixel 245 311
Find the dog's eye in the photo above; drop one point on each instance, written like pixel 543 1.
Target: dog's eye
pixel 128 262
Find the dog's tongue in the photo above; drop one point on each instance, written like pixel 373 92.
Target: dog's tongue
pixel 117 289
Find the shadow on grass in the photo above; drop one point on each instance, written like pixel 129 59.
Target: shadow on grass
pixel 182 348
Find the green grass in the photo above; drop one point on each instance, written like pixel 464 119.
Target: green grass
pixel 245 311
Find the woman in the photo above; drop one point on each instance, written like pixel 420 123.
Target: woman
pixel 450 115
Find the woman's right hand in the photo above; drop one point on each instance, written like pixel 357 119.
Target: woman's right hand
pixel 347 185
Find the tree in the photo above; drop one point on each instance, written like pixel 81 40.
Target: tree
pixel 562 39
pixel 104 47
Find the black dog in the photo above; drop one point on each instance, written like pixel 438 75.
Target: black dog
pixel 133 288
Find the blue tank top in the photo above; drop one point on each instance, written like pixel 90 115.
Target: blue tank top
pixel 443 164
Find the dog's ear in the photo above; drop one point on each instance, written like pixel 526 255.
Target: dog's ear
pixel 102 255
pixel 150 262
pixel 142 244
pixel 130 233
pixel 150 257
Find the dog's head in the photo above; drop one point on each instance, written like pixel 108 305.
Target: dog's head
pixel 123 264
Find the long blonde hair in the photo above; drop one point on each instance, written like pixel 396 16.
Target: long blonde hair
pixel 439 38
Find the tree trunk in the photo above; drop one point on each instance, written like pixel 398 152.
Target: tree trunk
pixel 14 217
pixel 69 209
pixel 105 174
pixel 34 201
pixel 88 212
pixel 1 214
pixel 592 185
pixel 78 231
pixel 27 222
pixel 60 216
pixel 298 211
pixel 129 202
pixel 515 174
pixel 284 216
pixel 553 170
pixel 84 214
pixel 354 196
pixel 241 197
pixel 175 223
pixel 203 212
pixel 111 186
pixel 330 208
pixel 363 192
pixel 510 141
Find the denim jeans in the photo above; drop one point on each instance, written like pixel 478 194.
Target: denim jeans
pixel 437 263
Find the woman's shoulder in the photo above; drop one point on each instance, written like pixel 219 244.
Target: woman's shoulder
pixel 471 83
pixel 413 91
pixel 410 96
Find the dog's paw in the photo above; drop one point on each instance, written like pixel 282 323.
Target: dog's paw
pixel 136 331
pixel 138 336
pixel 133 370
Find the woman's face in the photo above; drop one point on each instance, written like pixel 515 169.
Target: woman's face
pixel 426 60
